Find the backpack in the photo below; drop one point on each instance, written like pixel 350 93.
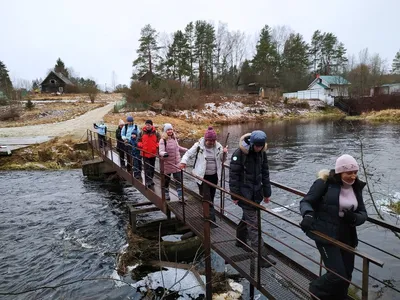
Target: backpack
pixel 126 127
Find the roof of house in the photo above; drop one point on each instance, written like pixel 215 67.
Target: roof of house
pixel 60 76
pixel 334 79
pixel 391 84
pixel 328 80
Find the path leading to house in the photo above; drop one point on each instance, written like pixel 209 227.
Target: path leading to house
pixel 17 137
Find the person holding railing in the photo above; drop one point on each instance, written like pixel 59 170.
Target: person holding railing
pixel 208 159
pixel 170 150
pixel 148 143
pixel 249 178
pixel 101 133
pixel 136 158
pixel 120 143
pixel 126 134
pixel 334 206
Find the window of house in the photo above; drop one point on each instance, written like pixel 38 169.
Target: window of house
pixel 53 81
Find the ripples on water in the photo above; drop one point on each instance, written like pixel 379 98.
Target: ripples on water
pixel 58 227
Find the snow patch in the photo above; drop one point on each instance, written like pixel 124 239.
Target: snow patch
pixel 172 238
pixel 183 282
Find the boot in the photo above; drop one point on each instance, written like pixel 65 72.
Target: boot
pixel 241 234
pixel 179 192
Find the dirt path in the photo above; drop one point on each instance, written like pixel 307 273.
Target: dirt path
pixel 76 127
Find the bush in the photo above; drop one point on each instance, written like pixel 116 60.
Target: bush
pixel 121 88
pixel 11 113
pixel 141 96
pixel 29 105
pixel 179 96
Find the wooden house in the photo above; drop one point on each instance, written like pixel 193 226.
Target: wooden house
pixel 55 82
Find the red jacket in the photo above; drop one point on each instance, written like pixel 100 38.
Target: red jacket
pixel 148 142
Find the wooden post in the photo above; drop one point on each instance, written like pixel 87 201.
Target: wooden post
pixel 207 239
pixel 365 274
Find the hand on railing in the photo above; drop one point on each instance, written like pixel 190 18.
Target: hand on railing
pixel 266 199
pixel 182 166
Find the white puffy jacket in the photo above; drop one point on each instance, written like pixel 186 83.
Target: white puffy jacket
pixel 200 168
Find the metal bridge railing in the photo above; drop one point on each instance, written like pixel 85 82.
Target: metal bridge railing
pixel 367 259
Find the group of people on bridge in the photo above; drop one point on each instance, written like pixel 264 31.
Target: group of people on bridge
pixel 333 205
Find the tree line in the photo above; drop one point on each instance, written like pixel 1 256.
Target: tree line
pixel 205 56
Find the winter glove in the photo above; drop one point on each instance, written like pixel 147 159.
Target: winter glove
pixel 308 221
pixel 165 155
pixel 349 216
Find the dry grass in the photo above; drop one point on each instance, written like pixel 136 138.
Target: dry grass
pixel 184 129
pixel 55 154
pixel 392 115
pixel 395 207
pixel 45 113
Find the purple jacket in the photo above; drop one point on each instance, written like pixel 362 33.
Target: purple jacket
pixel 171 146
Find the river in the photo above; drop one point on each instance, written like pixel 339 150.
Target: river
pixel 57 227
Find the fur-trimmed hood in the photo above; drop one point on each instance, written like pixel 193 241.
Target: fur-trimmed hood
pixel 244 144
pixel 330 175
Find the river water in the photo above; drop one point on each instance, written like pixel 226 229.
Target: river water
pixel 58 227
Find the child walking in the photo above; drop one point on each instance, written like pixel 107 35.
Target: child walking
pixel 136 158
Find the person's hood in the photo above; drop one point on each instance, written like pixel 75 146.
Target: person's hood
pixel 326 174
pixel 244 144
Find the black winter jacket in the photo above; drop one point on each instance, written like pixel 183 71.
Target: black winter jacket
pixel 249 173
pixel 323 200
pixel 118 135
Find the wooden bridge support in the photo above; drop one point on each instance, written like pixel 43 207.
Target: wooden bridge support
pixel 133 212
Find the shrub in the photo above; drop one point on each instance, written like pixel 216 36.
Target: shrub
pixel 12 113
pixel 141 96
pixel 180 97
pixel 29 105
pixel 45 155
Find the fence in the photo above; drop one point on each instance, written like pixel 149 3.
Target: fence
pixel 310 95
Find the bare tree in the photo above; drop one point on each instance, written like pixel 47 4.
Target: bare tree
pixel 280 34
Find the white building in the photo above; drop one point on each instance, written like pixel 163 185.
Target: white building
pixel 324 88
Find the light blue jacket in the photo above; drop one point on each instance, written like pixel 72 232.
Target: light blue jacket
pixel 101 129
pixel 126 131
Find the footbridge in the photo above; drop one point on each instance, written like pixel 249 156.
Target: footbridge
pixel 295 268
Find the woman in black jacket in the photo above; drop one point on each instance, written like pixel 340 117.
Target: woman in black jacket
pixel 334 206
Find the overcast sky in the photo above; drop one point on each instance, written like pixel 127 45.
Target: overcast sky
pixel 97 37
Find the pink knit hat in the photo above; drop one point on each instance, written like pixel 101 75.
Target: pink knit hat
pixel 210 134
pixel 345 163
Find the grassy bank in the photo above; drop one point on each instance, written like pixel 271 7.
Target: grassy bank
pixel 58 153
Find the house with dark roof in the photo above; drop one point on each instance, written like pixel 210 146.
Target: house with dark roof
pixel 147 77
pixel 324 88
pixel 55 82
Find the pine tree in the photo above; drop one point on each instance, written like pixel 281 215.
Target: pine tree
pixel 396 64
pixel 178 57
pixel 266 60
pixel 294 63
pixel 148 57
pixel 6 86
pixel 204 50
pixel 328 54
pixel 60 68
pixel 190 39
